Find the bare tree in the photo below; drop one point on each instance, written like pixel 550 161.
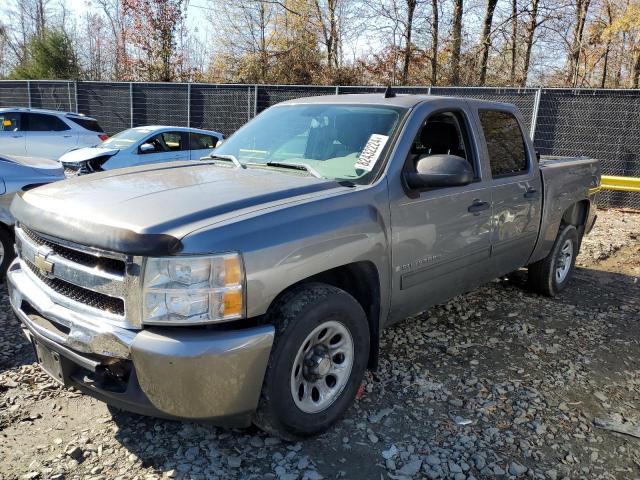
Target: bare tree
pixel 580 13
pixel 514 41
pixel 434 42
pixel 456 43
pixel 530 32
pixel 486 38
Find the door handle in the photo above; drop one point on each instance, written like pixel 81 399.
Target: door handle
pixel 478 206
pixel 67 136
pixel 16 136
pixel 531 193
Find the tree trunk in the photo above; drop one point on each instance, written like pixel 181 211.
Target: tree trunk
pixel 635 76
pixel 456 41
pixel 411 7
pixel 486 40
pixel 606 51
pixel 514 39
pixel 528 40
pixel 434 43
pixel 582 7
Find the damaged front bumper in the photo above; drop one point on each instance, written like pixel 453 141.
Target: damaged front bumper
pixel 191 373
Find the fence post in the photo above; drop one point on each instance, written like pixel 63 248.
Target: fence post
pixel 337 89
pixel 131 104
pixel 188 104
pixel 248 103
pixel 29 91
pixel 534 114
pixel 429 91
pixel 75 93
pixel 255 100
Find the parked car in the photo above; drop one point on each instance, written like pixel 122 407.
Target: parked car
pixel 255 286
pixel 141 145
pixel 46 133
pixel 19 174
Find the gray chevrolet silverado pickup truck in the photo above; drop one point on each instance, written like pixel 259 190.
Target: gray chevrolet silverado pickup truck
pixel 254 286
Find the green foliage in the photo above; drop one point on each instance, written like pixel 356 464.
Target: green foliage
pixel 50 56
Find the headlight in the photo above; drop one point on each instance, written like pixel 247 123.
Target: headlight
pixel 192 290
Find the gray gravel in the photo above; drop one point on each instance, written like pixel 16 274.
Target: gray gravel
pixel 500 383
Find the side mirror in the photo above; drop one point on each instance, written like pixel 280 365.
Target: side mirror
pixel 147 148
pixel 219 142
pixel 440 171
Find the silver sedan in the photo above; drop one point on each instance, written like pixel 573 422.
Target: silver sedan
pixel 19 174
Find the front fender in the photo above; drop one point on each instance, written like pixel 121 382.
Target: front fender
pixel 290 243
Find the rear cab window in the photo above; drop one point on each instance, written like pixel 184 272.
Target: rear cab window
pixel 40 122
pixel 87 124
pixel 505 143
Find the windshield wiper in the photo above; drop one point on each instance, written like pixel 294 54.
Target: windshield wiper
pixel 296 166
pixel 230 158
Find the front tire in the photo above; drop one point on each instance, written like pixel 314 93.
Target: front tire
pixel 317 362
pixel 551 275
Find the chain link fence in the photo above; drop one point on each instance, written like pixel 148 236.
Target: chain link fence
pixel 604 124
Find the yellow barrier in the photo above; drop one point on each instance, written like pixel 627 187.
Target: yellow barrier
pixel 621 184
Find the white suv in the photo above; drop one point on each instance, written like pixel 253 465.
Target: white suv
pixel 46 133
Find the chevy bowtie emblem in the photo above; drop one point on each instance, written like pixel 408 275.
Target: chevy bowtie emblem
pixel 45 266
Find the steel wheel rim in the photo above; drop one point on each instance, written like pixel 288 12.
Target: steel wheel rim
pixel 322 366
pixel 1 253
pixel 564 260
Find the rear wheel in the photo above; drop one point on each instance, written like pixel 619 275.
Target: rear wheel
pixel 6 251
pixel 551 275
pixel 317 361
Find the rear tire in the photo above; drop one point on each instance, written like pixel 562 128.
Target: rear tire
pixel 551 275
pixel 317 362
pixel 6 251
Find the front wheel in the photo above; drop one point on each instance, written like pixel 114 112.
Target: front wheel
pixel 317 362
pixel 551 275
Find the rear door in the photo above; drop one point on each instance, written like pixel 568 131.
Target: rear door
pixel 516 190
pixel 48 136
pixel 201 145
pixel 12 135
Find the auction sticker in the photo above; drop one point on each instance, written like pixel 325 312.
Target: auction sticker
pixel 371 152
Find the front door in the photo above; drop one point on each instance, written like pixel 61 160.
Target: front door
pixel 12 135
pixel 441 236
pixel 517 191
pixel 167 147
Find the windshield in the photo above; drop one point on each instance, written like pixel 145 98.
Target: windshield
pixel 342 142
pixel 126 138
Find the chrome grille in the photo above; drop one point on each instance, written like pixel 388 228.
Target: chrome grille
pixel 70 172
pixel 84 279
pixel 79 294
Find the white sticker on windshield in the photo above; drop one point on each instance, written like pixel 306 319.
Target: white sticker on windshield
pixel 371 152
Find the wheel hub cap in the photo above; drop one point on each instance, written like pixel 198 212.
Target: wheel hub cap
pixel 322 367
pixel 563 261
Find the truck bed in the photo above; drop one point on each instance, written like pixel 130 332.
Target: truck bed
pixel 565 181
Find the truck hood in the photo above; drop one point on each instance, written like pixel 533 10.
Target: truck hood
pixel 87 153
pixel 146 210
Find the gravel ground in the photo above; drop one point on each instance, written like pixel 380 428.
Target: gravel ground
pixel 497 383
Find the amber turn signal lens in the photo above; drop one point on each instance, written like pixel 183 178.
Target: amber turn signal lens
pixel 232 303
pixel 232 271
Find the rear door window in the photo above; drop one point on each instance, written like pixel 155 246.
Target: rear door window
pixel 200 141
pixel 505 143
pixel 88 124
pixel 175 141
pixel 39 122
pixel 10 122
